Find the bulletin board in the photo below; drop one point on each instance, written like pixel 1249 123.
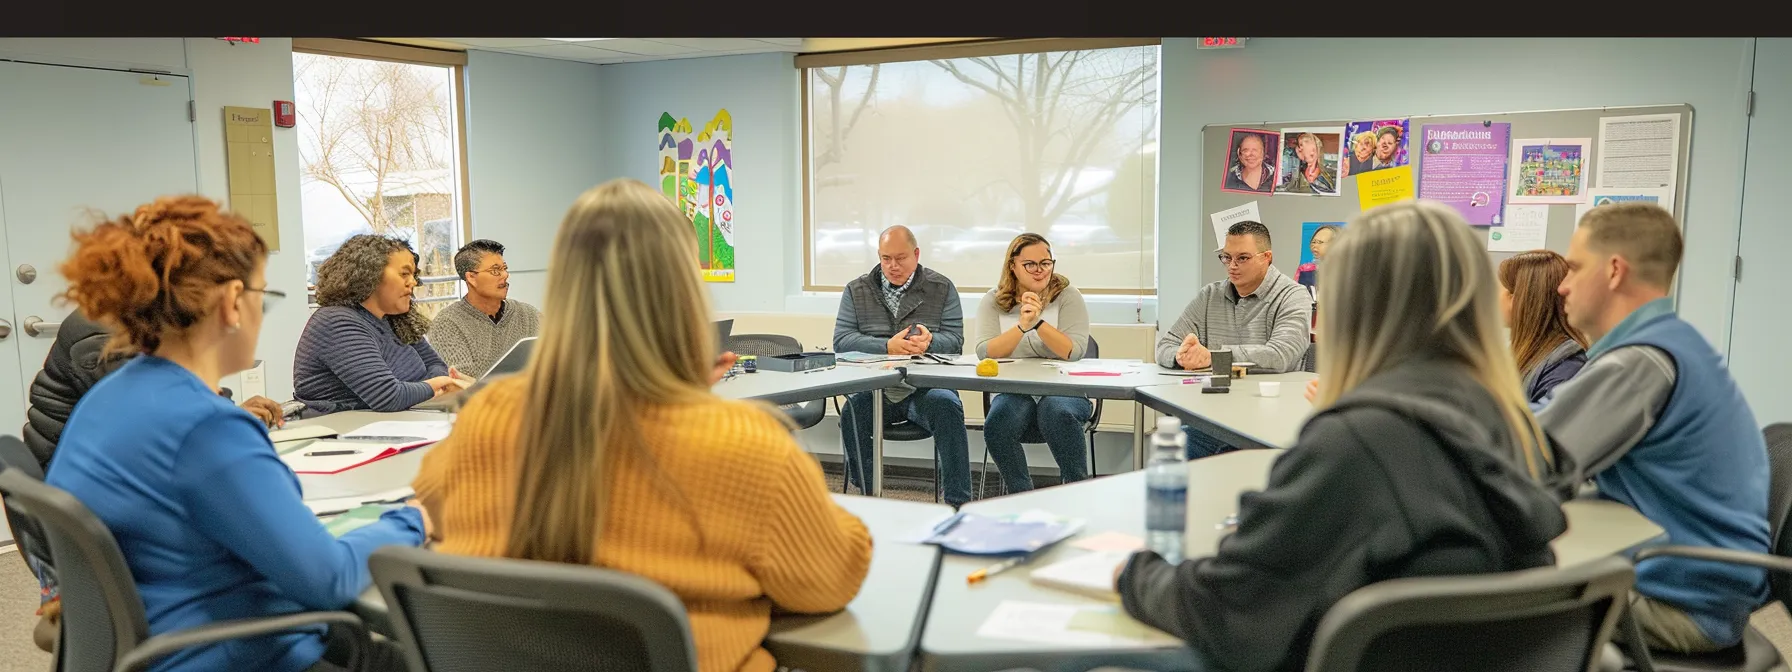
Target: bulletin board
pixel 1285 214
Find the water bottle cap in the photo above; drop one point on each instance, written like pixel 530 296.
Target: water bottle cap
pixel 1169 424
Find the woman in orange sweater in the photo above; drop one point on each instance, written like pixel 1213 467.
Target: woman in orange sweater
pixel 611 450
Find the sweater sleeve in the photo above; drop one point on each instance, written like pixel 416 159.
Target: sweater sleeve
pixel 812 555
pixel 249 502
pixel 949 340
pixel 450 344
pixel 1073 320
pixel 432 362
pixel 1185 324
pixel 353 355
pixel 989 323
pixel 1300 545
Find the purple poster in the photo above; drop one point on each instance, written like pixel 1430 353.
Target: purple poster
pixel 1464 166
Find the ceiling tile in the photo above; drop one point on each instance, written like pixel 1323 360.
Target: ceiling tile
pixel 501 42
pixel 571 52
pixel 649 47
pixel 782 41
pixel 721 43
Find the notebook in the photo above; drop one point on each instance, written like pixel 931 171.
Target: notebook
pixel 1086 574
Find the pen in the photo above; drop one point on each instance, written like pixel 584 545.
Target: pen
pixel 997 568
pixel 325 453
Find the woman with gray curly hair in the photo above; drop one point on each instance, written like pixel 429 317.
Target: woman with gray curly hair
pixel 364 348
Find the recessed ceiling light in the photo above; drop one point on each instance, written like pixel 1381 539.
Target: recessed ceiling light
pixel 577 39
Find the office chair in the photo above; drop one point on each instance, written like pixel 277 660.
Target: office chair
pixel 806 414
pixel 1032 435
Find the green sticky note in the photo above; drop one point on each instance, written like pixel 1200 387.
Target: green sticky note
pixel 356 518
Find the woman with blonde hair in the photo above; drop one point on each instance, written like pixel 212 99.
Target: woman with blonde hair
pixel 1548 351
pixel 610 449
pixel 1362 157
pixel 1034 312
pixel 1422 457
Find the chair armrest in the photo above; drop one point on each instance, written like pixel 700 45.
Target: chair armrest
pixel 1764 561
pixel 156 647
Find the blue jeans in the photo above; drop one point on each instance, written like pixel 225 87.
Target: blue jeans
pixel 1060 421
pixel 940 412
pixel 1201 444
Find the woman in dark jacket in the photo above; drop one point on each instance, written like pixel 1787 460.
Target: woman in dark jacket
pixel 1423 458
pixel 1548 351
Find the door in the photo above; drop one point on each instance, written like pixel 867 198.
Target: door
pixel 1761 326
pixel 74 141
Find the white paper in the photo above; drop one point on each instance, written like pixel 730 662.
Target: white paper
pixel 1087 574
pixel 298 432
pixel 1641 151
pixel 1052 624
pixel 1098 366
pixel 1515 185
pixel 351 453
pixel 1527 227
pixel 412 430
pixel 1224 219
pixel 338 504
pixel 1662 196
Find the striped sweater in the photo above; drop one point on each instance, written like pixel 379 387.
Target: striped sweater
pixel 349 360
pixel 471 342
pixel 718 504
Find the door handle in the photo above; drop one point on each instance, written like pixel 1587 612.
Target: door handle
pixel 37 327
pixel 5 329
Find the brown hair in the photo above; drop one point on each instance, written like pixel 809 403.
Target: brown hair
pixel 1539 320
pixel 153 272
pixel 1644 234
pixel 1008 288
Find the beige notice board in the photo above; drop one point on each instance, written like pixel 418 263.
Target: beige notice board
pixel 249 147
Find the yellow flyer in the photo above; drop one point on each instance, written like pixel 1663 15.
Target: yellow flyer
pixel 1384 186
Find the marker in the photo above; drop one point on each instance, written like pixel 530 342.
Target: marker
pixel 326 453
pixel 997 568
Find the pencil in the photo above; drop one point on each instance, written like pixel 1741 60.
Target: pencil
pixel 995 569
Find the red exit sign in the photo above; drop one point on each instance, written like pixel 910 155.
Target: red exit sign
pixel 1222 42
pixel 250 40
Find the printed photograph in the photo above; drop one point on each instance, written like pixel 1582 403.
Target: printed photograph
pixel 1376 145
pixel 1251 161
pixel 1310 161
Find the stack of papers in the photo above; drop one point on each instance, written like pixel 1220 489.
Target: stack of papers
pixel 868 357
pixel 1025 532
pixel 1088 574
pixel 371 443
pixel 1100 367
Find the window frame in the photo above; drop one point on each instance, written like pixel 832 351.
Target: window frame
pixel 968 49
pixel 456 62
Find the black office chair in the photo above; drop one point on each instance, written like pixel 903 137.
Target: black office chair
pixel 1538 620
pixel 806 414
pixel 1032 435
pixel 459 613
pixel 1755 653
pixel 34 547
pixel 104 628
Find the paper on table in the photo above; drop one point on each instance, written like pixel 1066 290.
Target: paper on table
pixel 339 504
pixel 1224 219
pixel 1662 196
pixel 1641 151
pixel 350 454
pixel 1527 226
pixel 1068 625
pixel 1109 541
pixel 403 432
pixel 1099 366
pixel 1088 574
pixel 300 432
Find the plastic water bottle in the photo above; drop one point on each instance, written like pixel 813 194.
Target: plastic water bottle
pixel 1166 491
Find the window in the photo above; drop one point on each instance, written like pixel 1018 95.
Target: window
pixel 379 143
pixel 971 145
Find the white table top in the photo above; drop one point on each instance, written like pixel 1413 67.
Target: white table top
pixel 1036 376
pixel 391 473
pixel 779 387
pixel 1241 417
pixel 950 642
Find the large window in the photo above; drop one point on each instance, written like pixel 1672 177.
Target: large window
pixel 969 147
pixel 379 140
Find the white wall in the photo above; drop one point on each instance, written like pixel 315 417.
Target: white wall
pixel 535 141
pixel 1296 79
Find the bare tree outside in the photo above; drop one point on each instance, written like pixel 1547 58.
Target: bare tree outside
pixel 380 136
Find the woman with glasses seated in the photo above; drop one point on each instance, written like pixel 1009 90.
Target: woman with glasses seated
pixel 1034 313
pixel 364 349
pixel 207 516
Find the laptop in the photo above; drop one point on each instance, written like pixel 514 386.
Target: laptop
pixel 724 329
pixel 513 362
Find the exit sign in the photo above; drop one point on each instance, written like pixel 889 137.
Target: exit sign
pixel 1221 42
pixel 234 40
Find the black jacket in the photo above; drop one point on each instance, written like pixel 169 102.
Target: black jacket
pixel 1407 475
pixel 72 367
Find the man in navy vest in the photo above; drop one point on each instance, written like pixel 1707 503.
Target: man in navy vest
pixel 1658 424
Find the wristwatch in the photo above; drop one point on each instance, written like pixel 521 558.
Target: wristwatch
pixel 1035 327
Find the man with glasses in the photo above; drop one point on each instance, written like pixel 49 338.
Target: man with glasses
pixel 472 333
pixel 1258 313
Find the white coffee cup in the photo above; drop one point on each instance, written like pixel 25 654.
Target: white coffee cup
pixel 1269 389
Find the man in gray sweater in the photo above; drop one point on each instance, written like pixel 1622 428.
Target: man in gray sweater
pixel 472 333
pixel 1258 313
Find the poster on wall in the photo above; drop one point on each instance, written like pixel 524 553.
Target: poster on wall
pixel 1315 237
pixel 1375 145
pixel 1662 196
pixel 1549 170
pixel 697 174
pixel 1310 160
pixel 1464 167
pixel 249 164
pixel 1382 187
pixel 1251 161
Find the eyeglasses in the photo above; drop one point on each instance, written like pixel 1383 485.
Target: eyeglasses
pixel 1037 266
pixel 1228 260
pixel 497 271
pixel 269 297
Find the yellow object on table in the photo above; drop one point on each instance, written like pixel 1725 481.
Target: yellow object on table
pixel 988 367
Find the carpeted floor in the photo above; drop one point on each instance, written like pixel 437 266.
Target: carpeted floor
pixel 19 594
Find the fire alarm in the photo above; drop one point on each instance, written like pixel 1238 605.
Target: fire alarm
pixel 283 115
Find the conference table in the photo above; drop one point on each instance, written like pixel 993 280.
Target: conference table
pixel 1242 417
pixel 951 641
pixel 780 387
pixel 1116 379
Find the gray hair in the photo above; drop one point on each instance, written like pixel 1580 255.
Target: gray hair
pixel 468 258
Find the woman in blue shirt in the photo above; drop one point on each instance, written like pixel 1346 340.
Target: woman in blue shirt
pixel 209 519
pixel 1549 352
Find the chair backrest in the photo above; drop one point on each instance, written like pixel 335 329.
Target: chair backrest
pixel 29 534
pixel 1538 620
pixel 102 615
pixel 1094 349
pixel 455 613
pixel 1779 501
pixel 762 345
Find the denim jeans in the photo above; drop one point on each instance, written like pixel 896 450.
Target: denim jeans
pixel 940 412
pixel 1060 420
pixel 1201 444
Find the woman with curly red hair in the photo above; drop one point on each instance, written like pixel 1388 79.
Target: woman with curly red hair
pixel 209 519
